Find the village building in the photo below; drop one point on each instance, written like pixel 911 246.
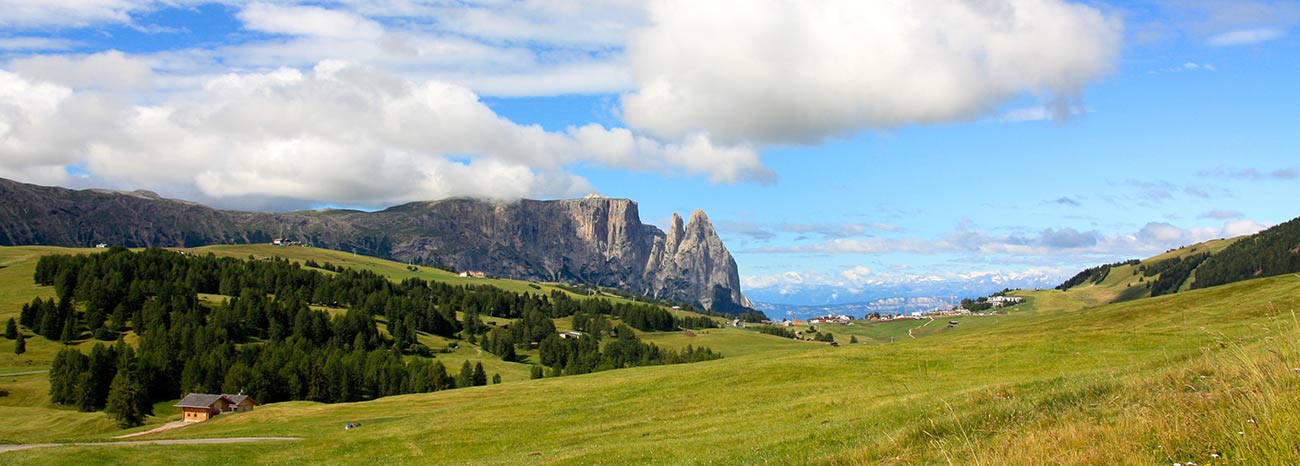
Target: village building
pixel 199 407
pixel 472 274
pixel 831 319
pixel 568 335
pixel 1001 301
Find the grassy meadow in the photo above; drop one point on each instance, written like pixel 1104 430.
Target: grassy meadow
pixel 1207 376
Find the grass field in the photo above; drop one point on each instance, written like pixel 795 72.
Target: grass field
pixel 24 400
pixel 1206 376
pixel 1170 379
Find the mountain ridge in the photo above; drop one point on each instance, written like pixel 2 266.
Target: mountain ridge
pixel 595 240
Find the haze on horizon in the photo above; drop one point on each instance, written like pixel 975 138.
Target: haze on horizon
pixel 843 149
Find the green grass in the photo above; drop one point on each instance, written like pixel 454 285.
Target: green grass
pixel 1163 380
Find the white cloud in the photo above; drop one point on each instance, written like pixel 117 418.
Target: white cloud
pixel 308 21
pixel 67 13
pixel 1045 247
pixel 856 273
pixel 786 71
pixel 338 133
pixel 110 70
pixel 851 280
pixel 1245 37
pixel 35 43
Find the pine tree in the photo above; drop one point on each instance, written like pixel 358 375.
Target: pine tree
pixel 124 396
pixel 11 329
pixel 20 345
pixel 496 378
pixel 535 372
pixel 466 376
pixel 439 377
pixel 853 339
pixel 480 376
pixel 69 331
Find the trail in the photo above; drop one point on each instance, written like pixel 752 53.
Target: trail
pixel 909 331
pixel 24 373
pixel 164 427
pixel 193 441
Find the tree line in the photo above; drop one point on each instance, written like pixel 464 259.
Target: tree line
pixel 266 339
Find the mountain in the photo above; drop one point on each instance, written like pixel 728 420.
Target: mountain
pixel 902 296
pixel 595 240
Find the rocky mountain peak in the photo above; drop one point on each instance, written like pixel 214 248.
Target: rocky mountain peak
pixel 595 240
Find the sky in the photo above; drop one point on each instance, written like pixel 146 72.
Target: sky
pixel 844 150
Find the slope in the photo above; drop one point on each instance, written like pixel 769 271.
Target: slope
pixel 1193 376
pixel 24 385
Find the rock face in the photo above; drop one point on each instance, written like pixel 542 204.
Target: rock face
pixel 595 241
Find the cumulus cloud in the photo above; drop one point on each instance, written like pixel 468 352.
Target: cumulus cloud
pixel 67 13
pixel 110 70
pixel 337 133
pixel 786 71
pixel 307 21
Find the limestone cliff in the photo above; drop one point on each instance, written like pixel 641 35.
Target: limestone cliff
pixel 595 241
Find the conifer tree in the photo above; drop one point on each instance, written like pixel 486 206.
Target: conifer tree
pixel 11 329
pixel 466 376
pixel 20 345
pixel 480 376
pixel 124 396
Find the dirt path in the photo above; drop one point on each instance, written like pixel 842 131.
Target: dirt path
pixel 24 373
pixel 193 441
pixel 909 331
pixel 165 427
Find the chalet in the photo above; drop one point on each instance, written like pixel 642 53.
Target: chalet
pixel 101 245
pixel 241 403
pixel 568 335
pixel 199 407
pixel 472 274
pixel 278 241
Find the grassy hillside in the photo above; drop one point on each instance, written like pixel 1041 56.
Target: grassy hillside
pixel 24 384
pixel 1127 282
pixel 1206 376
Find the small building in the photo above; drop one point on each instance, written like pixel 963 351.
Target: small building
pixel 831 319
pixel 101 245
pixel 568 335
pixel 472 274
pixel 241 403
pixel 199 407
pixel 278 241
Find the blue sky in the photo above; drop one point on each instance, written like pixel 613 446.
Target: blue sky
pixel 838 147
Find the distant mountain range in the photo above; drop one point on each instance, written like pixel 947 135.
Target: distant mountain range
pixel 594 241
pixel 900 297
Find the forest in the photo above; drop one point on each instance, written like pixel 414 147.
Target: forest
pixel 1274 251
pixel 264 338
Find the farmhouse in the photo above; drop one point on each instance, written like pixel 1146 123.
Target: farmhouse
pixel 472 274
pixel 568 335
pixel 199 407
